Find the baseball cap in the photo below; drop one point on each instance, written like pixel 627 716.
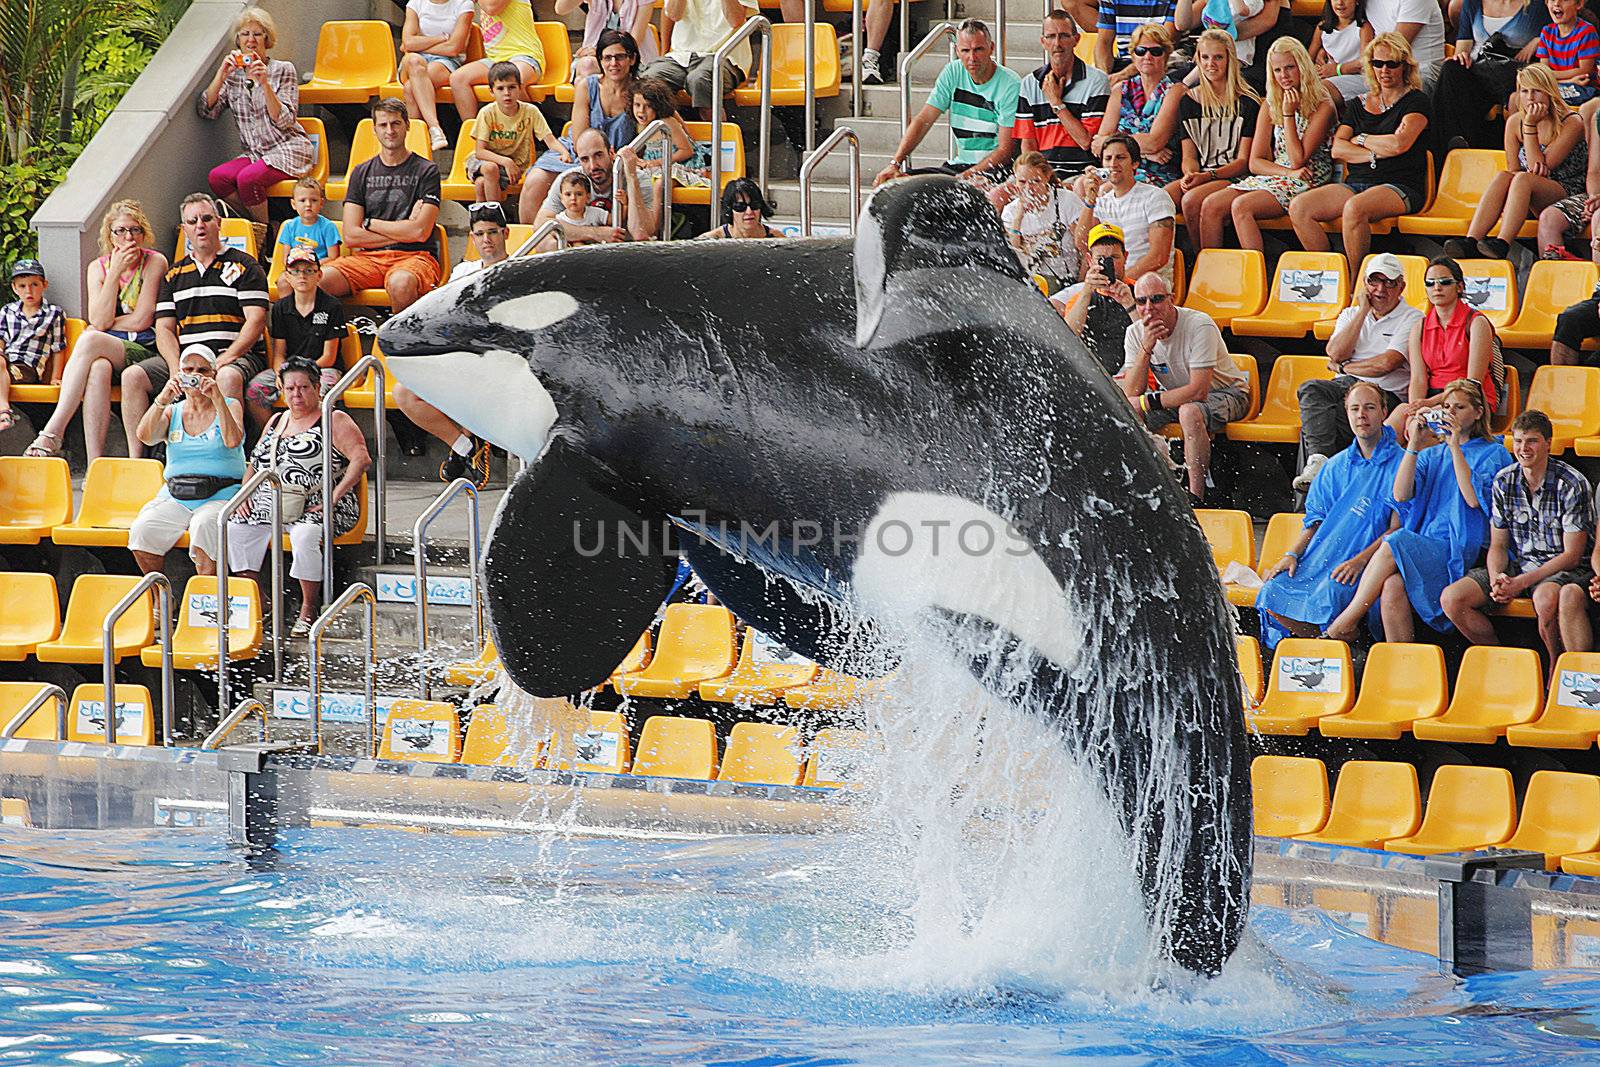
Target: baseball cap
pixel 300 254
pixel 23 268
pixel 1386 264
pixel 1107 231
pixel 203 351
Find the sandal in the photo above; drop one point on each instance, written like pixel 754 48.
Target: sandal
pixel 39 450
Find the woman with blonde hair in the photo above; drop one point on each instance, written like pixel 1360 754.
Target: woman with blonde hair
pixel 1145 106
pixel 1217 120
pixel 123 285
pixel 1381 142
pixel 1543 165
pixel 1289 153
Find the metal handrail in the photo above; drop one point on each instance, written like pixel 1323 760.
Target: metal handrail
pixel 551 227
pixel 46 691
pixel 1000 31
pixel 247 707
pixel 755 24
pixel 811 79
pixel 363 592
pixel 657 128
pixel 847 135
pixel 108 663
pixel 908 58
pixel 380 420
pixel 419 554
pixel 224 612
pixel 857 44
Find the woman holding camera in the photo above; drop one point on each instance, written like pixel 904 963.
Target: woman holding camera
pixel 1454 340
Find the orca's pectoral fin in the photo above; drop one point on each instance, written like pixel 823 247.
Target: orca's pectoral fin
pixel 575 572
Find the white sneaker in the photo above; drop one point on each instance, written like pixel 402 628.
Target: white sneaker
pixel 440 141
pixel 870 74
pixel 1308 474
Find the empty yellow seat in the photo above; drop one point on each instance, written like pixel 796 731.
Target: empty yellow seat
pixel 1468 808
pixel 602 746
pixel 30 613
pixel 1462 180
pixel 1283 529
pixel 319 166
pixel 41 725
pixel 1249 653
pixel 1291 795
pixel 1553 285
pixel 426 731
pixel 1310 678
pixel 136 714
pixel 1560 816
pixel 194 638
pixel 763 753
pixel 494 737
pixel 1227 282
pixel 35 498
pixel 475 671
pixel 675 747
pixel 82 639
pixel 364 145
pixel 1400 684
pixel 1491 287
pixel 1279 421
pixel 831 691
pixel 637 659
pixel 732 161
pixel 696 645
pixel 1307 287
pixel 837 755
pixel 1586 863
pixel 1571 716
pixel 1373 802
pixel 353 60
pixel 1230 534
pixel 765 670
pixel 789 66
pixel 113 492
pixel 1495 688
pixel 1570 396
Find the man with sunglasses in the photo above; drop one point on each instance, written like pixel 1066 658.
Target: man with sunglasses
pixel 1369 344
pixel 1200 388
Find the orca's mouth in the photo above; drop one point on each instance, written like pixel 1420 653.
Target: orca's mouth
pixel 493 394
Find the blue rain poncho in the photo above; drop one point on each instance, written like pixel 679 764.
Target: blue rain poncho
pixel 1352 499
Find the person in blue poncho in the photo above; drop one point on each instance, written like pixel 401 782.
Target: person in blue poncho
pixel 1442 492
pixel 1348 511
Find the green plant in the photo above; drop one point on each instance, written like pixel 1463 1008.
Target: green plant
pixel 23 187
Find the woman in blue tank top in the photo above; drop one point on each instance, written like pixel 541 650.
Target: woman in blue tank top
pixel 603 101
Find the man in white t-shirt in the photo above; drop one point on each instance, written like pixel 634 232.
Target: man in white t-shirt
pixel 694 29
pixel 1419 21
pixel 488 229
pixel 1369 344
pixel 1201 388
pixel 1142 212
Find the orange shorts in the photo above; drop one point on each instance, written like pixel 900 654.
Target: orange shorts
pixel 369 270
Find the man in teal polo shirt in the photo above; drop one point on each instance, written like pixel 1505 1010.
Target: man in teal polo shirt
pixel 981 98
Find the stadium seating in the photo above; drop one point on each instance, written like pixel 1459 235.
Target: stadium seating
pixel 45 393
pixel 1230 534
pixel 1248 650
pixel 789 67
pixel 1400 684
pixel 1492 289
pixel 638 658
pixel 425 731
pixel 489 740
pixel 364 395
pixel 1495 688
pixel 1279 420
pixel 1306 288
pixel 1553 285
pixel 30 615
pixel 765 670
pixel 695 645
pixel 319 169
pixel 194 638
pixel 1560 816
pixel 732 161
pixel 364 145
pixel 831 691
pixel 1571 397
pixel 1290 795
pixel 1416 294
pixel 136 714
pixel 41 725
pixel 836 758
pixel 1373 802
pixel 82 632
pixel 675 747
pixel 475 671
pixel 1571 716
pixel 1283 529
pixel 354 59
pixel 763 753
pixel 602 747
pixel 1462 180
pixel 557 62
pixel 1227 282
pixel 1310 678
pixel 457 186
pixel 1468 808
pixel 113 492
pixel 35 498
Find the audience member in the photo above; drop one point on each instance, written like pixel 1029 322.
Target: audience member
pixel 1144 106
pixel 509 36
pixel 1040 220
pixel 1217 120
pixel 33 335
pixel 1347 513
pixel 1577 323
pixel 486 225
pixel 1493 39
pixel 1540 518
pixel 263 95
pixel 1199 387
pixel 577 213
pixel 879 14
pixel 1241 21
pixel 1568 217
pixel 632 18
pixel 308 229
pixel 1570 45
pixel 595 161
pixel 746 209
pixel 433 45
pixel 307 326
pixel 698 27
pixel 1117 32
pixel 1420 23
pixel 1454 340
pixel 1063 102
pixel 652 100
pixel 1341 36
pixel 215 297
pixel 1142 212
pixel 1099 309
pixel 294 446
pixel 204 435
pixel 504 135
pixel 601 101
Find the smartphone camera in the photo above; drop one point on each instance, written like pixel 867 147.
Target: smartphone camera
pixel 1107 268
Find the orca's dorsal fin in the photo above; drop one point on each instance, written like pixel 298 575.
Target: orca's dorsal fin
pixel 924 223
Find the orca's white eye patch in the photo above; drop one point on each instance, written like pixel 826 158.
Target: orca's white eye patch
pixel 533 312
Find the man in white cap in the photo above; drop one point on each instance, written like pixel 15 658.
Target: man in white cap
pixel 1368 345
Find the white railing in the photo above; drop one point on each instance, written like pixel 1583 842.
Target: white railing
pixel 108 655
pixel 419 554
pixel 753 26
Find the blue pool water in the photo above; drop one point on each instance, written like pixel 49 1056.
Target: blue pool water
pixel 379 947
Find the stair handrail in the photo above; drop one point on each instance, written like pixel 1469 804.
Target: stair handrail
pixel 946 28
pixel 46 691
pixel 108 662
pixel 658 128
pixel 841 134
pixel 551 228
pixel 419 553
pixel 810 81
pixel 380 421
pixel 247 707
pixel 755 24
pixel 357 591
pixel 267 476
pixel 856 44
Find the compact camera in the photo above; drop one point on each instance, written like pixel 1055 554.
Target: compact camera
pixel 189 381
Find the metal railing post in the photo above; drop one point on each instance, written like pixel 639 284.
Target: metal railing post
pixel 363 592
pixel 224 612
pixel 550 228
pixel 419 555
pixel 1000 31
pixel 755 24
pixel 247 707
pixel 855 56
pixel 108 660
pixel 909 58
pixel 46 691
pixel 848 136
pixel 658 128
pixel 811 78
pixel 380 421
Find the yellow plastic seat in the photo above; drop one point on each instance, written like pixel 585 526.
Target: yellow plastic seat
pixel 45 393
pixel 353 60
pixel 41 725
pixel 1230 534
pixel 1416 293
pixel 93 597
pixel 319 167
pixel 732 161
pixel 766 668
pixel 1495 688
pixel 1466 173
pixel 35 498
pixel 675 747
pixel 475 671
pixel 423 731
pixel 789 66
pixel 113 492
pixel 30 615
pixel 1279 421
pixel 1585 863
pixel 831 691
pixel 237 234
pixel 1492 289
pixel 1283 529
pixel 1227 282
pixel 602 747
pixel 1248 650
pixel 695 645
pixel 364 145
pixel 1571 716
pixel 456 185
pixel 1307 287
pixel 1310 678
pixel 1511 407
pixel 1291 795
pixel 637 658
pixel 1400 684
pixel 1553 285
pixel 836 757
pixel 1560 816
pixel 364 395
pixel 557 63
pixel 136 714
pixel 1373 801
pixel 1468 808
pixel 494 740
pixel 1571 397
pixel 194 638
pixel 763 753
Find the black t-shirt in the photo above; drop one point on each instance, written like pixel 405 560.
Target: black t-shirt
pixel 1408 169
pixel 304 335
pixel 1216 137
pixel 389 193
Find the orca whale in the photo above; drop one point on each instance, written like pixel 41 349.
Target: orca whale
pixel 900 426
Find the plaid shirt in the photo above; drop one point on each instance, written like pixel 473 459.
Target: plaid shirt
pixel 32 339
pixel 281 144
pixel 1538 521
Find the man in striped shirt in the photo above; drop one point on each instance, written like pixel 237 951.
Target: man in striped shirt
pixel 215 296
pixel 1062 102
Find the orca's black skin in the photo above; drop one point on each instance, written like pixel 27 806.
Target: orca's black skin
pixel 743 384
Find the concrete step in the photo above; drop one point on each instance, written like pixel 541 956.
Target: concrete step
pixel 830 204
pixel 834 168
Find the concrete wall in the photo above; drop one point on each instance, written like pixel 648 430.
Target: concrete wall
pixel 155 147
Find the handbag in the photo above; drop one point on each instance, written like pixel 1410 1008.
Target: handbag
pixel 292 503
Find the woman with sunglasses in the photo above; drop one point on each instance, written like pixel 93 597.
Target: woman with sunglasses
pixel 1145 106
pixel 601 101
pixel 1218 122
pixel 1382 145
pixel 743 203
pixel 1453 341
